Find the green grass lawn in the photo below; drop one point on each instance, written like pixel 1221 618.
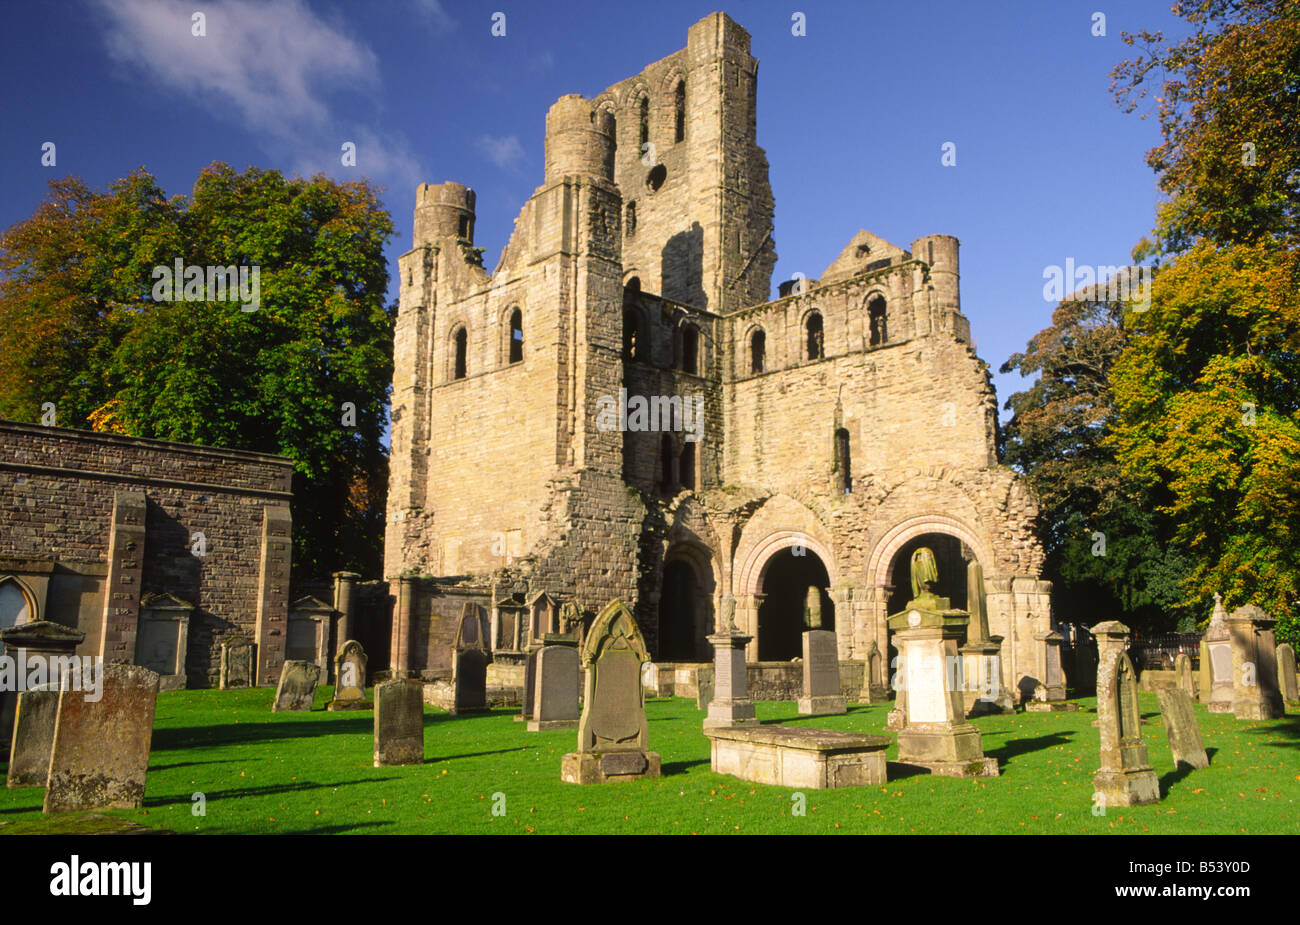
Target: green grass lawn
pixel 312 773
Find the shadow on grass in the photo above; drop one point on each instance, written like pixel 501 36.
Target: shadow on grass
pixel 896 771
pixel 1014 748
pixel 681 767
pixel 230 733
pixel 1286 726
pixel 153 768
pixel 499 751
pixel 237 792
pixel 338 829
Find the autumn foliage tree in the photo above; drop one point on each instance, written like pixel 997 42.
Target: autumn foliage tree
pixel 305 375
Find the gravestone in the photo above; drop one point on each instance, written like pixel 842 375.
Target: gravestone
pixel 100 751
pixel 821 663
pixel 29 759
pixel 399 723
pixel 982 690
pixel 612 733
pixel 1254 665
pixel 237 663
pixel 1125 777
pixel 162 638
pixel 555 697
pixel 874 690
pixel 703 687
pixel 350 678
pixel 935 733
pixel 297 688
pixel 40 641
pixel 730 704
pixel 1181 728
pixel 1183 674
pixel 1286 677
pixel 470 657
pixel 1218 645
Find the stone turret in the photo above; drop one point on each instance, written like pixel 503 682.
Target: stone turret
pixel 579 140
pixel 444 210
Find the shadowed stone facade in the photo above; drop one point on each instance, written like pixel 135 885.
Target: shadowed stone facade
pixel 843 424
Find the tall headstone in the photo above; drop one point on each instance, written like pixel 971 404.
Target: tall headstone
pixel 470 657
pixel 612 733
pixel 1254 665
pixel 730 704
pixel 297 688
pixel 555 695
pixel 37 641
pixel 100 751
pixel 980 655
pixel 821 663
pixel 1125 777
pixel 874 690
pixel 399 723
pixel 935 734
pixel 1183 674
pixel 238 663
pixel 1218 646
pixel 1286 677
pixel 29 758
pixel 1180 726
pixel 350 678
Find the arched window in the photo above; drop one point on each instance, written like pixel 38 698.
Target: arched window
pixel 516 336
pixel 690 348
pixel 876 319
pixel 679 104
pixel 813 329
pixel 460 340
pixel 634 345
pixel 757 351
pixel 843 463
pixel 15 608
pixel 687 466
pixel 644 115
pixel 629 224
pixel 666 465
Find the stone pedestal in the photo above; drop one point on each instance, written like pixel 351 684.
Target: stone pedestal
pixel 799 757
pixel 1125 777
pixel 981 678
pixel 821 674
pixel 1049 668
pixel 1254 665
pixel 730 705
pixel 1217 643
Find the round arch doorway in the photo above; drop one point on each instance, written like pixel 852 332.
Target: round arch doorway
pixel 785 580
pixel 685 607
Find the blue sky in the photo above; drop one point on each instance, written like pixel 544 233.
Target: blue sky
pixel 853 114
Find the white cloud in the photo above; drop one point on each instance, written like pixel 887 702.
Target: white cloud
pixel 506 152
pixel 433 14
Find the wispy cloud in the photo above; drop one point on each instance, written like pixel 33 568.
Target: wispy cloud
pixel 506 152
pixel 434 15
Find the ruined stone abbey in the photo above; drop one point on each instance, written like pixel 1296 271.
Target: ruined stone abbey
pixel 543 442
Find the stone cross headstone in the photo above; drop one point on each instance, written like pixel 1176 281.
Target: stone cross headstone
pixel 730 704
pixel 1181 728
pixel 350 678
pixel 1286 677
pixel 1218 645
pixel 237 663
pixel 1254 665
pixel 29 759
pixel 935 733
pixel 100 751
pixel 470 657
pixel 1183 674
pixel 297 688
pixel 555 697
pixel 612 732
pixel 399 723
pixel 821 674
pixel 1125 777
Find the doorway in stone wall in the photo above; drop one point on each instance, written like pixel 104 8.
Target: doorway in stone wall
pixel 951 556
pixel 685 606
pixel 786 578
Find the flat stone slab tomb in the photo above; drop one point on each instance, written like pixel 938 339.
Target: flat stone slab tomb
pixel 795 756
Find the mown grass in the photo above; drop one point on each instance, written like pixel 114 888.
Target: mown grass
pixel 312 773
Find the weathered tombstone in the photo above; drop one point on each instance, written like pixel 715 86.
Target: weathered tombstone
pixel 1183 674
pixel 730 705
pixel 936 734
pixel 29 759
pixel 704 679
pixel 1125 777
pixel 162 638
pixel 555 698
pixel 39 641
pixel 1181 728
pixel 821 663
pixel 612 733
pixel 470 659
pixel 399 723
pixel 1254 665
pixel 1286 677
pixel 297 688
pixel 237 662
pixel 350 678
pixel 100 751
pixel 981 663
pixel 1218 644
pixel 874 690
pixel 307 633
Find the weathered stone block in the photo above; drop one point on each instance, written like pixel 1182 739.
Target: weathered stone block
pixel 795 756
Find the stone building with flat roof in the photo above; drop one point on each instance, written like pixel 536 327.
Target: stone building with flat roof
pixel 619 410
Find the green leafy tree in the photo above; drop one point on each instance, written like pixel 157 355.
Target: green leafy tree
pixel 305 375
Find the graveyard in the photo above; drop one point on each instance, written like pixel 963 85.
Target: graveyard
pixel 312 773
